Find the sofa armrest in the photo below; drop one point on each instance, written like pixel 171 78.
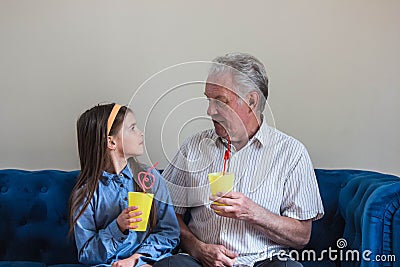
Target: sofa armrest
pixel 379 221
pixel 396 239
pixel 369 203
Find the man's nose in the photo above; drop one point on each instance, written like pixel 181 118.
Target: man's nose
pixel 212 109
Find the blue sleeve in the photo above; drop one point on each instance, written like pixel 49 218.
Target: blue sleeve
pixel 96 246
pixel 165 235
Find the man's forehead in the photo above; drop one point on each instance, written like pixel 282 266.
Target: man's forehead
pixel 221 84
pixel 214 90
pixel 221 79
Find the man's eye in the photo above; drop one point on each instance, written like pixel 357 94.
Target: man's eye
pixel 218 102
pixel 221 104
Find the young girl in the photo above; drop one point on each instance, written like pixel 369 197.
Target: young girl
pixel 108 142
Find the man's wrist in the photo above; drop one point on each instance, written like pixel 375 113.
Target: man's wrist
pixel 196 248
pixel 256 215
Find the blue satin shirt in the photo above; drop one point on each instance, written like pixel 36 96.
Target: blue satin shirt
pixel 98 238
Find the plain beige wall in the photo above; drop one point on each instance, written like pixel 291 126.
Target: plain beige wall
pixel 334 69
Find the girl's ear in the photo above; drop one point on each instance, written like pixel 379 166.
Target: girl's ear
pixel 111 143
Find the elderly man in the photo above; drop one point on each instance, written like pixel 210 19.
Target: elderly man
pixel 275 196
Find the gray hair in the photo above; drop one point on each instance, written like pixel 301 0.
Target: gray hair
pixel 248 74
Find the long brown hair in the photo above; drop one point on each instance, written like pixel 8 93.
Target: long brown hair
pixel 92 147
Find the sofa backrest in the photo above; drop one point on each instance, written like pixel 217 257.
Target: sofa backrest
pixel 34 216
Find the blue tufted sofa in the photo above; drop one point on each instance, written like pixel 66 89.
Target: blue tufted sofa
pixel 362 211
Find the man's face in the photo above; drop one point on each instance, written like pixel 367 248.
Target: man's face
pixel 228 112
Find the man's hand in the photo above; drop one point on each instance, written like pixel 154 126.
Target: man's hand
pixel 128 262
pixel 238 206
pixel 210 255
pixel 215 256
pixel 280 229
pixel 125 219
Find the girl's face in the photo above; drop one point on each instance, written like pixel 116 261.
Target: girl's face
pixel 130 138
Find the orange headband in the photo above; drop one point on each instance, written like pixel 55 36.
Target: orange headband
pixel 112 116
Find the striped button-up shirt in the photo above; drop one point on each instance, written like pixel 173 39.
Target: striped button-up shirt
pixel 273 169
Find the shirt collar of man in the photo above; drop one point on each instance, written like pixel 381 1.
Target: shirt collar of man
pixel 107 177
pixel 260 137
pixel 262 134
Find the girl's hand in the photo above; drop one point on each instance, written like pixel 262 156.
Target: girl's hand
pixel 126 217
pixel 128 262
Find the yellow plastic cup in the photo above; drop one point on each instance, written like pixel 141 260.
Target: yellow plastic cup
pixel 143 201
pixel 220 183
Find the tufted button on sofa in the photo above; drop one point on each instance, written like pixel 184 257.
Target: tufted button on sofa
pixel 362 213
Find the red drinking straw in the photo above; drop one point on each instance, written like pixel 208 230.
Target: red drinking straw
pixel 227 154
pixel 146 178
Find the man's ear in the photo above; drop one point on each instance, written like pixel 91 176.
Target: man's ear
pixel 111 143
pixel 252 100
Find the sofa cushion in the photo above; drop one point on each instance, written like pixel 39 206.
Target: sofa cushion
pixel 34 224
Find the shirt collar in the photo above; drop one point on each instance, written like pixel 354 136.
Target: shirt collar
pixel 106 177
pixel 262 134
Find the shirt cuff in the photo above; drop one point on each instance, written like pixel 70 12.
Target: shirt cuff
pixel 313 215
pixel 144 260
pixel 147 250
pixel 115 232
